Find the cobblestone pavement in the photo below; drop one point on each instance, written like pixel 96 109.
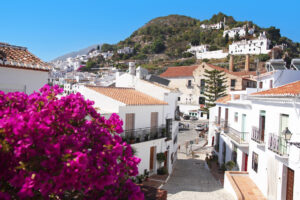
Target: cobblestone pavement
pixel 190 179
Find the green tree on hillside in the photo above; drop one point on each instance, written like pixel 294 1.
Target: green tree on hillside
pixel 215 87
pixel 273 34
pixel 157 46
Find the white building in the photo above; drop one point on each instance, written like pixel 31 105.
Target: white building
pixel 213 26
pixel 198 49
pixel 256 46
pixel 241 31
pixel 247 128
pixel 125 50
pixel 218 54
pixel 145 123
pixel 20 70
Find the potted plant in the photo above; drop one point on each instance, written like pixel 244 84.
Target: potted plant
pixel 160 157
pixel 146 174
pixel 131 139
pixel 230 165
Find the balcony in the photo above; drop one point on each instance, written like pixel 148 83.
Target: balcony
pixel 257 135
pixel 277 144
pixel 237 136
pixel 146 134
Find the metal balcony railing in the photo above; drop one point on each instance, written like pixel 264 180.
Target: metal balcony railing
pixel 277 144
pixel 238 136
pixel 257 136
pixel 145 134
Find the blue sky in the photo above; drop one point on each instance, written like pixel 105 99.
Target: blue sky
pixel 50 28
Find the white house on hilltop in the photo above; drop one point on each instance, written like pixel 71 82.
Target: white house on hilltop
pixel 20 70
pixel 256 46
pixel 241 31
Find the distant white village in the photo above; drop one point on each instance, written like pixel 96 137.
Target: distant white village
pixel 255 125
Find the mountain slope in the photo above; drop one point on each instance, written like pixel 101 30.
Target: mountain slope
pixel 75 53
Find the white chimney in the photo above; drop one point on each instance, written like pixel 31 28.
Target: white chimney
pixel 132 68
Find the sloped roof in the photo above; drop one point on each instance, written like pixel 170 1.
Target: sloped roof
pixel 20 57
pixel 181 71
pixel 291 89
pixel 227 98
pixel 128 96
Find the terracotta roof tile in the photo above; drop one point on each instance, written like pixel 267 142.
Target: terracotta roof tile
pixel 181 71
pixel 227 98
pixel 128 96
pixel 20 57
pixel 291 89
pixel 224 99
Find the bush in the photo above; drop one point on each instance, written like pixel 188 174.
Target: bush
pixel 230 165
pixel 160 157
pixel 61 148
pixel 162 171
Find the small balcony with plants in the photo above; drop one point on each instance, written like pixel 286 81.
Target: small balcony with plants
pixel 258 135
pixel 146 134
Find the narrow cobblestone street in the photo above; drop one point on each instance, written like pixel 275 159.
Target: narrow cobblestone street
pixel 191 180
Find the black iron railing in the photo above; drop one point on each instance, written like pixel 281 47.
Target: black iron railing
pixel 145 134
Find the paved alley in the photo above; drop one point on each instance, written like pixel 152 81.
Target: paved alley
pixel 190 180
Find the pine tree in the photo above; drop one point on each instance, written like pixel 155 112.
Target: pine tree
pixel 215 87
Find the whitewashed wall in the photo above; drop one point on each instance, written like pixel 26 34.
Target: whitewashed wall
pixel 218 54
pixel 104 103
pixel 143 114
pixel 279 78
pixel 28 81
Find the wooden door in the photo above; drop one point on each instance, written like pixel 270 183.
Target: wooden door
pixel 152 153
pixel 154 122
pixel 129 123
pixel 262 128
pixel 246 162
pixel 290 184
pixel 166 161
pixel 154 119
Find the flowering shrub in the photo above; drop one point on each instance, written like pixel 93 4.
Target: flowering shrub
pixel 61 148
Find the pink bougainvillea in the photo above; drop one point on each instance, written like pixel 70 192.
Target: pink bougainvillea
pixel 61 148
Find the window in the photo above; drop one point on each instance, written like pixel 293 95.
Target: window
pixel 260 84
pixel 232 84
pixel 189 83
pixel 202 82
pixel 284 122
pixel 201 100
pixel 254 161
pixel 236 116
pixel 178 99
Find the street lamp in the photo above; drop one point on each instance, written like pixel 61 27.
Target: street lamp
pixel 287 134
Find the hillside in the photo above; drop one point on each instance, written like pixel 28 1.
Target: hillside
pixel 163 42
pixel 167 38
pixel 75 53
